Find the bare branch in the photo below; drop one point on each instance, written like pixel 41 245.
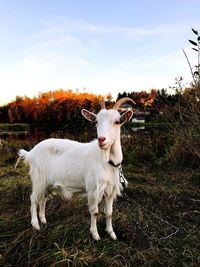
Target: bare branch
pixel 189 66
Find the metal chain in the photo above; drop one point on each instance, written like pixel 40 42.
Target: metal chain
pixel 122 179
pixel 175 230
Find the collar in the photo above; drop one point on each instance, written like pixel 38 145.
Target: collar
pixel 113 164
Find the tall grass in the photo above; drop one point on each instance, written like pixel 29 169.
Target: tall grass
pixel 185 118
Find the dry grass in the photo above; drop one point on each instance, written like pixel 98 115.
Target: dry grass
pixel 146 219
pixel 185 119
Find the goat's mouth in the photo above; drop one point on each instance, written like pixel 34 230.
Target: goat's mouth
pixel 103 146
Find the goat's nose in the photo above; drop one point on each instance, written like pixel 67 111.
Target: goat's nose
pixel 101 139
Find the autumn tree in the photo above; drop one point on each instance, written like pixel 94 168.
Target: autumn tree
pixel 56 107
pixel 4 114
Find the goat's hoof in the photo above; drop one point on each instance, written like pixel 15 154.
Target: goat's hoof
pixel 44 221
pixel 36 226
pixel 96 236
pixel 112 235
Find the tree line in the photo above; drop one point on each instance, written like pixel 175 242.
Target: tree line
pixel 54 106
pixel 61 106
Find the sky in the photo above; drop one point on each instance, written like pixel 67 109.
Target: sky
pixel 98 46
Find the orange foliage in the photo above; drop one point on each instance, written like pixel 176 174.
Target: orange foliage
pixel 53 106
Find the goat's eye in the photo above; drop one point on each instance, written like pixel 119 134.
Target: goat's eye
pixel 117 122
pixel 96 122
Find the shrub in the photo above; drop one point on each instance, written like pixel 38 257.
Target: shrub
pixel 9 149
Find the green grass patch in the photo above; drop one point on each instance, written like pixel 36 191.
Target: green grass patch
pixel 150 125
pixel 9 127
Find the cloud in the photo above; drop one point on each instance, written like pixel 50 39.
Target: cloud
pixel 64 25
pixel 76 53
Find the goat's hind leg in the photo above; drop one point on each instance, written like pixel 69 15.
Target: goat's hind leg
pixel 42 205
pixel 34 205
pixel 37 196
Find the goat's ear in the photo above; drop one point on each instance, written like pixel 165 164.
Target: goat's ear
pixel 88 115
pixel 126 116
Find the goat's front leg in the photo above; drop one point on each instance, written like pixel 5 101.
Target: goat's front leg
pixel 93 208
pixel 108 211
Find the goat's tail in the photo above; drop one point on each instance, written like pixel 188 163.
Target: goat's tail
pixel 22 155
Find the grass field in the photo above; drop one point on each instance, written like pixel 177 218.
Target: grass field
pixel 157 221
pixel 14 127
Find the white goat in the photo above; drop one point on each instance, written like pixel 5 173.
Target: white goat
pixel 74 167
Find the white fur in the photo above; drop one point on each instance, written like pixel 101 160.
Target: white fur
pixel 73 167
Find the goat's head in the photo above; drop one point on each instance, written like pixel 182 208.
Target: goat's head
pixel 109 122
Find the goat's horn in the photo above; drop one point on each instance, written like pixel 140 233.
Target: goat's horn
pixel 103 103
pixel 123 100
